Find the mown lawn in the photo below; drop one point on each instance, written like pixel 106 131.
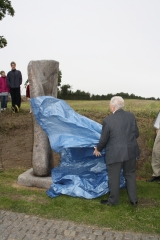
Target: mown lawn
pixel 124 217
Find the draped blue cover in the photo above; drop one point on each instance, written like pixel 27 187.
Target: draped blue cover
pixel 80 173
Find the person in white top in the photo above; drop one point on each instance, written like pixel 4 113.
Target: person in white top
pixel 156 153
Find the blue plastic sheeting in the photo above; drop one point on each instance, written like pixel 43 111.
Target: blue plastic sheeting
pixel 80 173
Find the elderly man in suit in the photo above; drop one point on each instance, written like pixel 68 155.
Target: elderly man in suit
pixel 118 137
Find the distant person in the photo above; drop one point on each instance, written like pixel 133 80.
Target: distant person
pixel 28 94
pixel 118 137
pixel 4 91
pixel 14 80
pixel 156 153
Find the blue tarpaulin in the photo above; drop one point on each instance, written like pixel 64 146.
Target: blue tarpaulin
pixel 80 173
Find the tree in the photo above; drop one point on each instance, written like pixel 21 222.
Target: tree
pixel 59 77
pixel 65 91
pixel 5 8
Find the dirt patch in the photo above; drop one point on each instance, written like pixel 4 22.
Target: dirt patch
pixel 145 153
pixel 15 185
pixel 32 198
pixel 16 140
pixel 142 202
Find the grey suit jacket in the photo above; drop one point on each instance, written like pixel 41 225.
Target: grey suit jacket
pixel 118 137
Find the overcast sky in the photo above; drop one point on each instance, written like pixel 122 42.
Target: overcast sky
pixel 103 46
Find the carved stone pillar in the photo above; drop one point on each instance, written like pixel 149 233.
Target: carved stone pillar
pixel 43 79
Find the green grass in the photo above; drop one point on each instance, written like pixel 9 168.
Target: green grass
pixel 24 106
pixel 144 110
pixel 139 107
pixel 144 218
pixel 124 217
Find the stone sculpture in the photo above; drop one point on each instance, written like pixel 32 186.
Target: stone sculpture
pixel 43 79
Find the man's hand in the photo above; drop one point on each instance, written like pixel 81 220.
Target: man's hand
pixel 96 152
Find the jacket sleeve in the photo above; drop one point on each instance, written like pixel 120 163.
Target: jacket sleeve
pixel 0 84
pixel 137 130
pixel 104 137
pixel 8 80
pixel 20 77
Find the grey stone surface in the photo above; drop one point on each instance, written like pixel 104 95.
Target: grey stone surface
pixel 43 79
pixel 18 226
pixel 28 179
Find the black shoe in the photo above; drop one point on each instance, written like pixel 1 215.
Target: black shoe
pixel 105 202
pixel 153 179
pixel 134 204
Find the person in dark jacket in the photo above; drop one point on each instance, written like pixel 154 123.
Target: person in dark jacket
pixel 118 137
pixel 14 81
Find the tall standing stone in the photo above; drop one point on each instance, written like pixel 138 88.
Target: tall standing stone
pixel 43 79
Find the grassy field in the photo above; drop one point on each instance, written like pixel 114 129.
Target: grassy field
pixel 139 107
pixel 124 217
pixel 144 218
pixel 142 108
pixel 145 112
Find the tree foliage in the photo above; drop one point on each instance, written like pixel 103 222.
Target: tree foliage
pixel 59 77
pixel 5 8
pixel 3 42
pixel 67 94
pixel 65 91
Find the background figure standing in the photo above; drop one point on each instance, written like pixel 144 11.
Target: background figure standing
pixel 14 80
pixel 156 153
pixel 28 94
pixel 4 91
pixel 118 137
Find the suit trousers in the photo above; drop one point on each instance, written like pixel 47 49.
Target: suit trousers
pixel 129 173
pixel 156 156
pixel 16 96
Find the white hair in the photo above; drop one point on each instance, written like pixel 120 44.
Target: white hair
pixel 117 102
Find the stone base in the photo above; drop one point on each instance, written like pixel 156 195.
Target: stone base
pixel 29 180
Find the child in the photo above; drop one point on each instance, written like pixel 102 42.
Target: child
pixel 4 91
